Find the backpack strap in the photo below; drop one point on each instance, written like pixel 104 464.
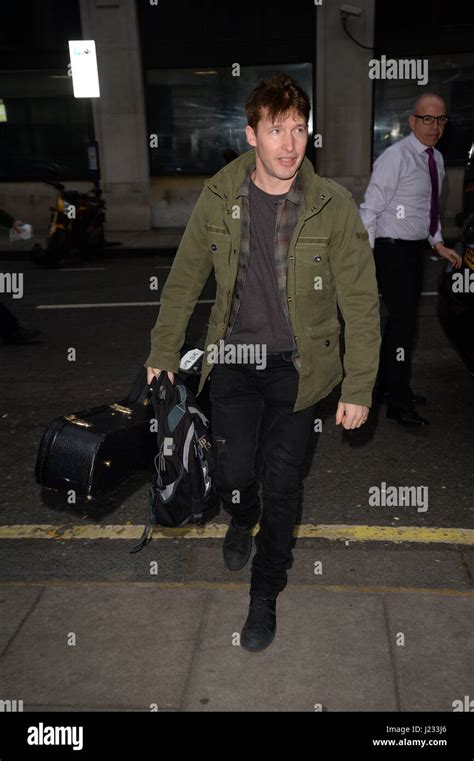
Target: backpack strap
pixel 204 467
pixel 195 411
pixel 178 411
pixel 144 539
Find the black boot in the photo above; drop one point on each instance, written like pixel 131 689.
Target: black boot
pixel 237 546
pixel 407 416
pixel 260 627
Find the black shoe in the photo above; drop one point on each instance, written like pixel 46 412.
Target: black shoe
pixel 237 546
pixel 418 399
pixel 21 336
pixel 407 416
pixel 260 627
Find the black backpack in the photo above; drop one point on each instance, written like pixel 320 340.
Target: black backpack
pixel 182 490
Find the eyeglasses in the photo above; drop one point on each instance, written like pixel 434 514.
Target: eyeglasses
pixel 430 119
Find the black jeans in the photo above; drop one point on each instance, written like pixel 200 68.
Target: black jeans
pixel 399 276
pixel 256 436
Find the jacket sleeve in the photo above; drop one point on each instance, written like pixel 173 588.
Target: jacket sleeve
pixel 352 263
pixel 191 268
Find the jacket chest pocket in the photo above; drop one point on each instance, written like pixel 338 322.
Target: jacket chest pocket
pixel 312 271
pixel 219 247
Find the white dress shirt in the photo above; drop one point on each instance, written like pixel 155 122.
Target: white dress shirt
pixel 398 198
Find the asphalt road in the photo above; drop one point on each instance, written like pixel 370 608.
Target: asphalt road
pixel 105 311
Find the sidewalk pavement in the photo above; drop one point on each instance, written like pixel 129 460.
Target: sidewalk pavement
pixel 132 241
pixel 127 645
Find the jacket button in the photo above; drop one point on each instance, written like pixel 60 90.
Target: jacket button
pixel 289 298
pixel 328 343
pixel 213 247
pixel 317 258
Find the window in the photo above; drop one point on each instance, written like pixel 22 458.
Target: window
pixel 43 128
pixel 198 114
pixel 452 77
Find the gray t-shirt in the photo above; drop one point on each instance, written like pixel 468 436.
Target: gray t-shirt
pixel 260 319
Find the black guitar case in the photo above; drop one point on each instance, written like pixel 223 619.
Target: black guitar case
pixel 93 450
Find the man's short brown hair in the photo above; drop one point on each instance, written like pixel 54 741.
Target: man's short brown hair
pixel 280 94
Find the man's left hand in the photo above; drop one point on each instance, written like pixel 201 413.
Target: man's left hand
pixel 351 415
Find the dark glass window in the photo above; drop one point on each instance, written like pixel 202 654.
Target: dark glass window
pixel 43 128
pixel 452 77
pixel 198 114
pixel 443 36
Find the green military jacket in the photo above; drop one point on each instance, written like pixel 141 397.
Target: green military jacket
pixel 330 264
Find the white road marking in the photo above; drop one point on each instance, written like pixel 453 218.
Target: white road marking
pixel 111 305
pixel 81 269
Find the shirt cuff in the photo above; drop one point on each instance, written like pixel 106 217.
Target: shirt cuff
pixel 437 238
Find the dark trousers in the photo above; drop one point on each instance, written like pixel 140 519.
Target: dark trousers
pixel 399 276
pixel 8 322
pixel 257 436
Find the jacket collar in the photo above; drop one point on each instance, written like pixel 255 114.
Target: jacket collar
pixel 294 195
pixel 228 182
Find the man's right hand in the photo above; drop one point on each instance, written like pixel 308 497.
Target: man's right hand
pixel 152 372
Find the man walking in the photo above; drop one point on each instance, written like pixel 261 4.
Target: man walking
pixel 400 212
pixel 287 248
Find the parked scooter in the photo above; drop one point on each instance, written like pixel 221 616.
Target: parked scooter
pixel 76 226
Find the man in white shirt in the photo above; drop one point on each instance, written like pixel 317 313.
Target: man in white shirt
pixel 400 212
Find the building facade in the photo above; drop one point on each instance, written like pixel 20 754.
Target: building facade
pixel 173 80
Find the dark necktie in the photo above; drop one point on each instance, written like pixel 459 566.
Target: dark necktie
pixel 434 214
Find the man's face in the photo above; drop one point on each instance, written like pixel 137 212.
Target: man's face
pixel 428 134
pixel 280 146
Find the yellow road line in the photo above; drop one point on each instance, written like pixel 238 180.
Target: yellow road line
pixel 397 534
pixel 422 534
pixel 234 586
